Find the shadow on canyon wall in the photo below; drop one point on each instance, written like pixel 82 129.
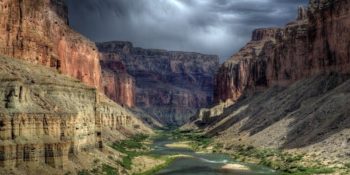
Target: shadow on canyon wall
pixel 317 107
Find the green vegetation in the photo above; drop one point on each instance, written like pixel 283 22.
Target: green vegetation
pixel 284 162
pixel 132 148
pixel 347 165
pixel 198 140
pixel 133 143
pixel 108 170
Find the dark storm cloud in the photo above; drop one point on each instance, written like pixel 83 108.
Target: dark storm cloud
pixel 209 26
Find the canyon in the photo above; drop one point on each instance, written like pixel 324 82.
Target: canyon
pixel 168 85
pixel 68 104
pixel 288 88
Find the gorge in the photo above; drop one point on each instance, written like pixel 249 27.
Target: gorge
pixel 68 105
pixel 170 86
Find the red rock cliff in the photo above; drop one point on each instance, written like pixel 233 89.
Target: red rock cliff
pixel 117 83
pixel 38 31
pixel 317 42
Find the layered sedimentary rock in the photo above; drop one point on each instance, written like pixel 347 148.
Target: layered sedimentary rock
pixel 117 83
pixel 37 31
pixel 170 86
pixel 288 88
pixel 316 42
pixel 48 118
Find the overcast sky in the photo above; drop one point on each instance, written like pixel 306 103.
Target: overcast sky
pixel 218 27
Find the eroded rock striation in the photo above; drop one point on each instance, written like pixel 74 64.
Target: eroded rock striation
pixel 38 31
pixel 170 86
pixel 317 42
pixel 48 118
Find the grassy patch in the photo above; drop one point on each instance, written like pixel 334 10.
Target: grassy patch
pixel 133 143
pixel 198 140
pixel 108 170
pixel 347 165
pixel 132 148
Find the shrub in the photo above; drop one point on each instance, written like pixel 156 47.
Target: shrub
pixel 109 170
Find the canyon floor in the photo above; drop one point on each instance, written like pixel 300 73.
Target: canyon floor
pixel 183 152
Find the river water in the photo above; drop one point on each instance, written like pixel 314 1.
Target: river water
pixel 201 163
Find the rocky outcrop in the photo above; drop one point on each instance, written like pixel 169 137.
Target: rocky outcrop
pixel 49 118
pixel 316 43
pixel 170 86
pixel 37 31
pixel 246 71
pixel 117 83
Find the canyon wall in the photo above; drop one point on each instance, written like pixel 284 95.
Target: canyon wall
pixel 117 84
pixel 170 86
pixel 317 42
pixel 48 118
pixel 38 31
pixel 288 88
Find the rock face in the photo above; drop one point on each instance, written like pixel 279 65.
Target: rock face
pixel 246 70
pixel 48 118
pixel 316 43
pixel 170 86
pixel 117 83
pixel 37 31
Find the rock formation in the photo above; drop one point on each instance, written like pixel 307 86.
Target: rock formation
pixel 288 88
pixel 47 118
pixel 37 31
pixel 170 86
pixel 317 42
pixel 117 83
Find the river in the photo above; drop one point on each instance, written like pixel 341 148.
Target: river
pixel 201 163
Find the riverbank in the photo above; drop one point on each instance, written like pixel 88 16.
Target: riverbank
pixel 137 157
pixel 285 162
